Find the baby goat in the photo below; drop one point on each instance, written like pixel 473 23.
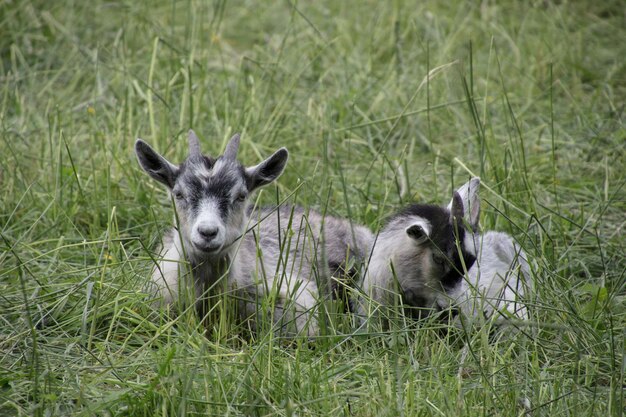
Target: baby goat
pixel 435 260
pixel 284 252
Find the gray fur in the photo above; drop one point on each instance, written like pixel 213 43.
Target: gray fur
pixel 498 282
pixel 194 145
pixel 287 252
pixel 454 267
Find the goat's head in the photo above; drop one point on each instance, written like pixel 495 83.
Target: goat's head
pixel 438 249
pixel 210 194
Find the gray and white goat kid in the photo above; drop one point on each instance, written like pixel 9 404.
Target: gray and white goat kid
pixel 269 251
pixel 434 259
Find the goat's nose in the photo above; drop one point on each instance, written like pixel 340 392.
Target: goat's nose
pixel 208 232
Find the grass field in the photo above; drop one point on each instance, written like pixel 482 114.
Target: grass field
pixel 530 96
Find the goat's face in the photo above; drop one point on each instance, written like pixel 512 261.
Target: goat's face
pixel 211 195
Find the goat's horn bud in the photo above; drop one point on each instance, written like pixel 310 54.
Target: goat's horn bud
pixel 230 153
pixel 194 144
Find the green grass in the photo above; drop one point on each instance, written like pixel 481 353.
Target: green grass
pixel 531 97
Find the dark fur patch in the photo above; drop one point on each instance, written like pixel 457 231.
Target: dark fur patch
pixel 218 186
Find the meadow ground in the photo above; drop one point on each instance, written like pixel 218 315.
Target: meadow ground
pixel 530 96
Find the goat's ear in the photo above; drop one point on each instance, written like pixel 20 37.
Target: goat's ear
pixel 268 170
pixel 419 231
pixel 467 204
pixel 155 165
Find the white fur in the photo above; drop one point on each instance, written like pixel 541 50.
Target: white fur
pixel 168 271
pixel 208 218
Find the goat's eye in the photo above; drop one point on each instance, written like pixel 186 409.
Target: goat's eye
pixel 179 195
pixel 241 197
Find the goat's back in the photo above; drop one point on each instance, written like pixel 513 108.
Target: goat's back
pixel 294 240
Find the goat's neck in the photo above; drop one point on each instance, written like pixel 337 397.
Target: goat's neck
pixel 211 267
pixel 210 272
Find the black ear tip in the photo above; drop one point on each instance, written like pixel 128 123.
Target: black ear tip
pixel 280 157
pixel 457 202
pixel 140 145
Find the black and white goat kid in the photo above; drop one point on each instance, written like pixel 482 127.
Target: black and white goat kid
pixel 282 252
pixel 434 259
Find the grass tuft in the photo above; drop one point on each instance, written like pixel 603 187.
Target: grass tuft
pixel 380 104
